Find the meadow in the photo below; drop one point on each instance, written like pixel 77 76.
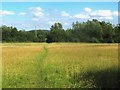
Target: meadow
pixel 59 65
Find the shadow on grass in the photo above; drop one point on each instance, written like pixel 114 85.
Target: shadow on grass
pixel 108 78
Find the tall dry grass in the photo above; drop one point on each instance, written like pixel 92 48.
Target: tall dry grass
pixel 60 65
pixel 18 61
pixel 67 61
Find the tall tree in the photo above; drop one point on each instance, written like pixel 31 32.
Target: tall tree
pixel 108 32
pixel 57 33
pixel 117 34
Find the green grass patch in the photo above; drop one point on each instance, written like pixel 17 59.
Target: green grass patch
pixel 61 65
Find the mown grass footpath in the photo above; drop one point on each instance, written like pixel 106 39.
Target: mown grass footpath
pixel 60 65
pixel 19 64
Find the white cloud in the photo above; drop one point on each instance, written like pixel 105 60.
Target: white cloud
pixel 4 12
pixel 110 18
pixel 53 22
pixel 104 14
pixel 88 9
pixel 35 8
pixel 82 16
pixel 36 11
pixel 101 13
pixel 65 14
pixel 115 13
pixel 66 23
pixel 98 14
pixel 22 13
pixel 35 19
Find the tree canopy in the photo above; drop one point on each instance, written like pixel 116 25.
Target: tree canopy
pixel 91 31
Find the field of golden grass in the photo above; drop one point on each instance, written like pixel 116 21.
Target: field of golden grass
pixel 59 65
pixel 18 59
pixel 0 65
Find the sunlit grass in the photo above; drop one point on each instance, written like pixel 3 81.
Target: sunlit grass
pixel 18 63
pixel 58 64
pixel 0 65
pixel 69 59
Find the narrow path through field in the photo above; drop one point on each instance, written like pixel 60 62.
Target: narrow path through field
pixel 60 65
pixel 38 67
pixel 43 54
pixel 23 65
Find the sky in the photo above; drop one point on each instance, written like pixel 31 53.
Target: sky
pixel 41 15
pixel 60 0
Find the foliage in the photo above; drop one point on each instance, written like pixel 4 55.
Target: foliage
pixel 90 31
pixel 11 34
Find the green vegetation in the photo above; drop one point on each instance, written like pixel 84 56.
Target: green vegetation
pixel 91 31
pixel 60 65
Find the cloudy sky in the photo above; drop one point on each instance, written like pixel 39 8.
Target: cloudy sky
pixel 41 15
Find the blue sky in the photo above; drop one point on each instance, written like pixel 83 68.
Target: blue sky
pixel 28 15
pixel 60 0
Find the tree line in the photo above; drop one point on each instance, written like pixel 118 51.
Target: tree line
pixel 90 31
